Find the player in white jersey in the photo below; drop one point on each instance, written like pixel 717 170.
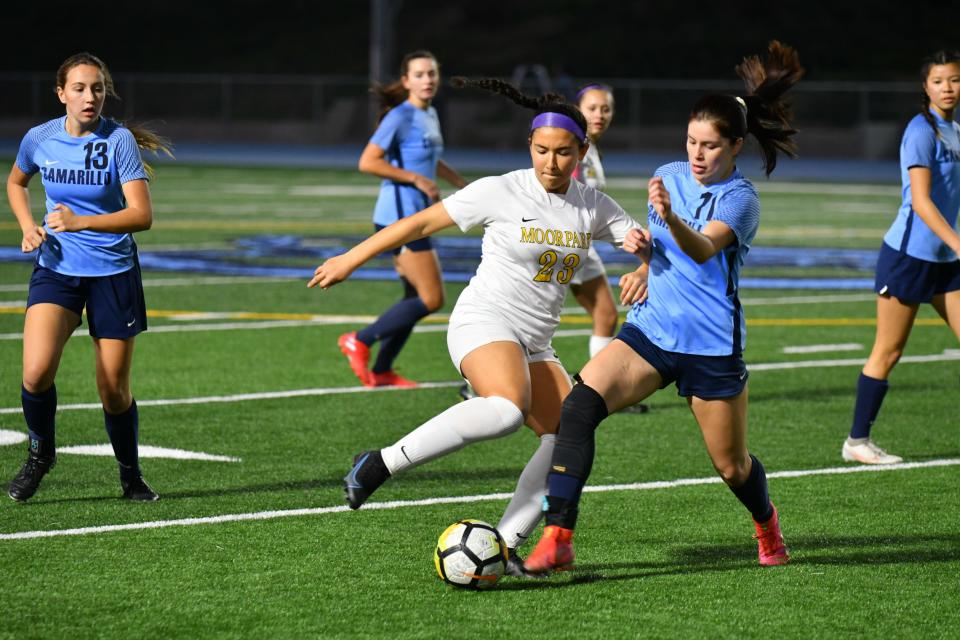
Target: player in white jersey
pixel 538 225
pixel 703 216
pixel 96 198
pixel 590 286
pixel 918 259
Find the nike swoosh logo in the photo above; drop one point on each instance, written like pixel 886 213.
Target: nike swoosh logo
pixel 351 478
pixel 527 219
pixel 403 450
pixel 132 322
pixel 50 162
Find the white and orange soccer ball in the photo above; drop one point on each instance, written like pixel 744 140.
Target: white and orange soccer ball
pixel 470 554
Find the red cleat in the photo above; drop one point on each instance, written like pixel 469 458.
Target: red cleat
pixel 771 549
pixel 554 552
pixel 358 355
pixel 389 379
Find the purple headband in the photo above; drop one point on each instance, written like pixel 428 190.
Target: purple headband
pixel 591 87
pixel 558 120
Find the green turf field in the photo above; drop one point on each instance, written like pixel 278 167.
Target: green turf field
pixel 256 544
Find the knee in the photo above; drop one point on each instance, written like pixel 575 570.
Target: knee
pixel 432 300
pixel 37 378
pixel 733 472
pixel 114 395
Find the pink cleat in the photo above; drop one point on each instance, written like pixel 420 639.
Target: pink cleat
pixel 771 549
pixel 554 552
pixel 389 379
pixel 358 355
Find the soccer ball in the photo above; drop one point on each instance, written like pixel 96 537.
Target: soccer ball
pixel 470 554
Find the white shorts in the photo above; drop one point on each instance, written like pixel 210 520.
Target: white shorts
pixel 592 268
pixel 474 327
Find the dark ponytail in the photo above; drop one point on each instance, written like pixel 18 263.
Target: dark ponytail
pixel 553 102
pixel 393 94
pixel 762 112
pixel 940 57
pixel 145 137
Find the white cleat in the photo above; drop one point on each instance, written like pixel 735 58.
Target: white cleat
pixel 867 453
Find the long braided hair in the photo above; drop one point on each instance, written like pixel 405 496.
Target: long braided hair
pixel 552 102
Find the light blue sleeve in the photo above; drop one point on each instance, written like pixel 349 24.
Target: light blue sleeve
pixel 28 147
pixel 388 133
pixel 919 146
pixel 739 209
pixel 127 156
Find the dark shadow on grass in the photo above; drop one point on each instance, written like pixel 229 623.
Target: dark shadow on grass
pixel 450 478
pixel 807 551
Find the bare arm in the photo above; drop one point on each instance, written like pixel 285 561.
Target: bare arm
pixel 450 174
pixel 920 201
pixel 374 161
pixel 19 198
pixel 427 222
pixel 137 216
pixel 700 246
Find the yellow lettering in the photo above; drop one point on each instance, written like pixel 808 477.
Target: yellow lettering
pixel 526 235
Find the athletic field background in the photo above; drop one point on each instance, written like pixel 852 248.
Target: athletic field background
pixel 240 377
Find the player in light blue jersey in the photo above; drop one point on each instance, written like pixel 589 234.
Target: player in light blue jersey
pixel 703 215
pixel 405 151
pixel 918 259
pixel 96 198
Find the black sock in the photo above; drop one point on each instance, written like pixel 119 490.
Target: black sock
pixel 870 394
pixel 123 429
pixel 753 493
pixel 39 412
pixel 583 410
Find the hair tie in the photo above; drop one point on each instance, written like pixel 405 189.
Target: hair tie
pixel 741 101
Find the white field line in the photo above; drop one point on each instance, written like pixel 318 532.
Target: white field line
pixel 489 497
pixel 822 348
pixel 242 397
pixel 947 355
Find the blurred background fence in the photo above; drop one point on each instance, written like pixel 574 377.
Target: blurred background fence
pixel 856 120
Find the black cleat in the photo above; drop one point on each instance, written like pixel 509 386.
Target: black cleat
pixel 366 476
pixel 514 566
pixel 26 483
pixel 138 489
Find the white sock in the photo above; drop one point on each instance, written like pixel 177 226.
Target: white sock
pixel 597 343
pixel 465 422
pixel 526 507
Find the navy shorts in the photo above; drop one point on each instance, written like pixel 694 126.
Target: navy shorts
pixel 423 244
pixel 912 280
pixel 706 377
pixel 115 306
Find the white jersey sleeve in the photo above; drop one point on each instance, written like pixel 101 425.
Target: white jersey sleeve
pixel 474 205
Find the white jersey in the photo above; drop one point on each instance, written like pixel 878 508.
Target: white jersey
pixel 533 243
pixel 590 171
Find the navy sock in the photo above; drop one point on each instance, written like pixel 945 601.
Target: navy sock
pixel 753 493
pixel 389 350
pixel 39 412
pixel 400 317
pixel 870 394
pixel 123 429
pixel 583 411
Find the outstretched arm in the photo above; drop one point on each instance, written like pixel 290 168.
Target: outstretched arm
pixel 427 222
pixel 700 246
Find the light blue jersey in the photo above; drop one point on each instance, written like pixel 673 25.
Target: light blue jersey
pixel 921 147
pixel 412 141
pixel 694 308
pixel 85 174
